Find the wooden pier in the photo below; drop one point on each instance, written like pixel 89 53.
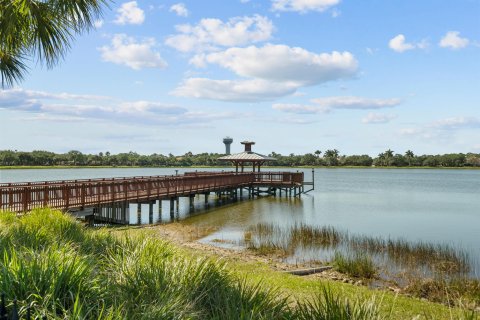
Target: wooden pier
pixel 108 200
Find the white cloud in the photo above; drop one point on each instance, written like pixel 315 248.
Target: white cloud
pixel 209 34
pixel 233 90
pixel 272 71
pixel 361 103
pixel 180 9
pixel 442 128
pixel 324 105
pixel 453 40
pixel 98 24
pixel 130 13
pixel 378 118
pixel 299 108
pixel 127 51
pixel 72 107
pixel 336 13
pixel 455 123
pixel 303 5
pixel 281 63
pixel 398 44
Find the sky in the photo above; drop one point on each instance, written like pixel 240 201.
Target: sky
pixel 295 76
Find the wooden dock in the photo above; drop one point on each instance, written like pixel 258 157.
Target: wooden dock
pixel 107 200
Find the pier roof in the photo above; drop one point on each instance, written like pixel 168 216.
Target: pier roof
pixel 248 156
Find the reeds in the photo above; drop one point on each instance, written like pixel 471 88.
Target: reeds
pixel 435 257
pixel 356 265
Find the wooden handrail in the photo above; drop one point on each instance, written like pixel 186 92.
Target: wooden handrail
pixel 72 194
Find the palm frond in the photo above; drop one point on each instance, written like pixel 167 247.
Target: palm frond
pixel 12 68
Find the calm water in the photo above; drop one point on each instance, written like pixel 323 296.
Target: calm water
pixel 441 206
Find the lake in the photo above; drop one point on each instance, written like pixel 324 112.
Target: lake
pixel 432 205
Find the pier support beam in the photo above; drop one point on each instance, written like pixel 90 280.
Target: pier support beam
pixel 159 210
pixel 150 212
pixel 172 209
pixel 139 213
pixel 191 202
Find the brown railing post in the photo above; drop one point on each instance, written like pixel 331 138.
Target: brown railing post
pixel 24 202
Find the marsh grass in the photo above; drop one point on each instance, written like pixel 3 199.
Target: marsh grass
pixel 356 265
pixel 437 272
pixel 450 291
pixel 435 257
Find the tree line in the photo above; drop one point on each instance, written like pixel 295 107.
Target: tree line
pixel 330 158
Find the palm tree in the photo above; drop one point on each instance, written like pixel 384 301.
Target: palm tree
pixel 409 155
pixel 331 156
pixel 388 156
pixel 43 29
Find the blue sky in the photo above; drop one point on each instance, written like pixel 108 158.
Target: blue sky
pixel 293 75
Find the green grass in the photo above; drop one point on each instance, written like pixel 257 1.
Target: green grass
pixel 66 271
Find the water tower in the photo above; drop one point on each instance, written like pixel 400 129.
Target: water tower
pixel 228 141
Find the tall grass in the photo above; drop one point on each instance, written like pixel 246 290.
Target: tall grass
pixel 356 265
pixel 435 257
pixel 327 306
pixel 66 271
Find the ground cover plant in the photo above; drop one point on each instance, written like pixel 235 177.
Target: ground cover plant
pixel 64 270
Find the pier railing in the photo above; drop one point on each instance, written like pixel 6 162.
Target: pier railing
pixel 74 194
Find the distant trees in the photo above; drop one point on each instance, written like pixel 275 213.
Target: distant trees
pixel 331 157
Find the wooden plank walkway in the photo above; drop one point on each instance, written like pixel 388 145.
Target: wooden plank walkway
pixel 80 194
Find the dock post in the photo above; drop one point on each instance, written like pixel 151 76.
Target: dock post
pixel 114 212
pixel 139 213
pixel 172 209
pixel 192 203
pixel 150 212
pixel 159 210
pixel 124 212
pixel 206 200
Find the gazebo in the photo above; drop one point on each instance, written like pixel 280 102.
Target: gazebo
pixel 247 157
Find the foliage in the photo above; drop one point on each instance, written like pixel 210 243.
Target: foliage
pixel 72 272
pixel 49 260
pixel 43 29
pixel 330 158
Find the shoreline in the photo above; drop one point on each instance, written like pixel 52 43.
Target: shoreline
pixel 186 237
pixel 223 167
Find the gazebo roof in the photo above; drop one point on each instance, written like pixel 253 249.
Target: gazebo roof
pixel 247 156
